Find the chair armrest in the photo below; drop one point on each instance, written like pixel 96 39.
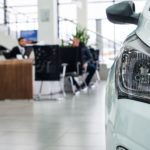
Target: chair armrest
pixel 78 67
pixel 64 65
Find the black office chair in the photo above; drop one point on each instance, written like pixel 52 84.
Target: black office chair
pixel 72 57
pixel 28 50
pixel 95 53
pixel 7 55
pixel 2 49
pixel 48 66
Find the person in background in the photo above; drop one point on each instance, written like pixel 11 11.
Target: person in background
pixel 20 49
pixel 88 64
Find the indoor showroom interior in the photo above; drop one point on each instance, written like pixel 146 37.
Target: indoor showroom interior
pixel 41 107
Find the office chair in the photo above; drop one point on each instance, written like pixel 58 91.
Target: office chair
pixel 2 49
pixel 48 66
pixel 72 57
pixel 95 54
pixel 7 55
pixel 28 50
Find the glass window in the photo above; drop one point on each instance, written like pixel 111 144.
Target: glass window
pixel 1 12
pixel 113 35
pixel 67 20
pixel 65 1
pixel 97 1
pixel 21 3
pixel 97 10
pixel 21 14
pixel 1 16
pixel 1 3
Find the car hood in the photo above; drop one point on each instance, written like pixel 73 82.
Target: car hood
pixel 143 29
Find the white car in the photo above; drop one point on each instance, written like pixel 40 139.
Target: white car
pixel 128 87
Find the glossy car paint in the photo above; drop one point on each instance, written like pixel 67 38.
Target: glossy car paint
pixel 143 29
pixel 128 121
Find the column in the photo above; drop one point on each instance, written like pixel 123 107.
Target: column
pixel 47 23
pixel 82 13
pixel 99 39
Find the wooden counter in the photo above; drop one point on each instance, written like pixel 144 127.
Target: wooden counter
pixel 16 79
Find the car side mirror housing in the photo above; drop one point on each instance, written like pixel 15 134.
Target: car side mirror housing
pixel 122 12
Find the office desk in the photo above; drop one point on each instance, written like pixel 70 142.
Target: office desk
pixel 16 79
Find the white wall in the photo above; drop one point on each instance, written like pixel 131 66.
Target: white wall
pixel 7 41
pixel 47 11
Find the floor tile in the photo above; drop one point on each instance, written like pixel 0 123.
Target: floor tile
pixel 73 123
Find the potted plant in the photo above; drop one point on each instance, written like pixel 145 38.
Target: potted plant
pixel 81 34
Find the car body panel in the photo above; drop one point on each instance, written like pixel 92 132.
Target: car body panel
pixel 143 29
pixel 127 121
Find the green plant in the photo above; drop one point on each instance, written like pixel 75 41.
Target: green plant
pixel 81 33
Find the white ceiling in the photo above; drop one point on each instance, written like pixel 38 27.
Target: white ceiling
pixel 27 8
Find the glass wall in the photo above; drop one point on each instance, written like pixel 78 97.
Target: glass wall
pixel 20 15
pixel 1 11
pixel 67 19
pixel 111 35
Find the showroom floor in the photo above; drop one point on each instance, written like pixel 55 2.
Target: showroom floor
pixel 73 123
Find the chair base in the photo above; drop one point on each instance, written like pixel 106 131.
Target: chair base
pixel 50 95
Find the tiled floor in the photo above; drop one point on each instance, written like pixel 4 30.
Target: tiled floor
pixel 75 123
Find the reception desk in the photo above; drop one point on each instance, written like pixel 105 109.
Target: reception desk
pixel 16 79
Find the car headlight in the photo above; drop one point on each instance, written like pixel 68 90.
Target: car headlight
pixel 133 75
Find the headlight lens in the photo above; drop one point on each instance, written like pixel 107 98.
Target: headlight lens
pixel 133 75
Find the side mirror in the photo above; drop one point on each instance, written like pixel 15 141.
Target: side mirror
pixel 123 12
